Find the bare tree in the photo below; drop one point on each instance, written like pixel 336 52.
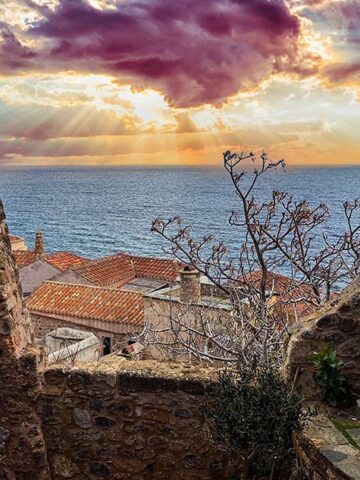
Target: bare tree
pixel 279 235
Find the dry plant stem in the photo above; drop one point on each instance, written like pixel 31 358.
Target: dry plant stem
pixel 277 235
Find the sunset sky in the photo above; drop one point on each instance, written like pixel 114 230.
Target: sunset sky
pixel 177 82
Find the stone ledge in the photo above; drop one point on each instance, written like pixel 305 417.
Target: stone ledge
pixel 327 452
pixel 131 375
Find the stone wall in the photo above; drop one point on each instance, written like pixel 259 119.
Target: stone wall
pixel 44 325
pixel 337 325
pixel 22 449
pixel 124 420
pixel 324 453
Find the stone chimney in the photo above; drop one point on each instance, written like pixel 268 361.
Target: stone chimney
pixel 190 286
pixel 39 243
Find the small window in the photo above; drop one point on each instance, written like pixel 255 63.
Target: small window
pixel 106 345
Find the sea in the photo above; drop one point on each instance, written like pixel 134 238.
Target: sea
pixel 100 211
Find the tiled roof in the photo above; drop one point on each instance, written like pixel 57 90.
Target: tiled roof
pixel 24 258
pixel 108 270
pixel 93 303
pixel 15 239
pixel 274 281
pixel 291 293
pixel 65 260
pixel 123 267
pixel 303 299
pixel 60 260
pixel 157 268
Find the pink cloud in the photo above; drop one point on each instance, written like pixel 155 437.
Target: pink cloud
pixel 343 72
pixel 13 55
pixel 194 52
pixel 341 22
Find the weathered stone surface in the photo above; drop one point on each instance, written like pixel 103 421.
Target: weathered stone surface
pixel 146 431
pixel 337 325
pixel 4 435
pixel 325 454
pixel 82 418
pixel 350 348
pixel 22 449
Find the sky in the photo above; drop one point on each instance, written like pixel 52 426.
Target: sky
pixel 178 82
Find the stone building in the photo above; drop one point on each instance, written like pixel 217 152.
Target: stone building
pixel 188 302
pixel 111 314
pixel 121 279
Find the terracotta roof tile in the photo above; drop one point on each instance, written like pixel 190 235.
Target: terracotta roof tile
pixel 65 260
pixel 274 281
pixel 60 260
pixel 24 258
pixel 123 267
pixel 93 303
pixel 157 268
pixel 298 295
pixel 15 239
pixel 108 270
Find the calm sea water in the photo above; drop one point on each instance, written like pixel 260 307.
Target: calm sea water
pixel 98 211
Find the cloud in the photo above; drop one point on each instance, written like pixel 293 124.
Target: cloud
pixel 340 21
pixel 185 123
pixel 13 55
pixel 38 122
pixel 194 52
pixel 348 73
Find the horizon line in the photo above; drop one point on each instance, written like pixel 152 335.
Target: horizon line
pixel 165 167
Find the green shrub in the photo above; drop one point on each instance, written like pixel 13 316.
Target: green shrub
pixel 335 387
pixel 252 415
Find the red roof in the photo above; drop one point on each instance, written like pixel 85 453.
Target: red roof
pixel 65 260
pixel 24 258
pixel 83 301
pixel 108 270
pixel 275 282
pixel 156 268
pixel 60 260
pixel 15 239
pixel 123 268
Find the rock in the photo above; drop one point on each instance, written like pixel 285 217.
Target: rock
pixel 104 422
pixel 4 435
pixel 82 418
pixel 182 413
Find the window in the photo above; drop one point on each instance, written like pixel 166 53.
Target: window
pixel 106 345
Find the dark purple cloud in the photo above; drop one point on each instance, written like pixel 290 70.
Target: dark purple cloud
pixel 13 55
pixel 193 51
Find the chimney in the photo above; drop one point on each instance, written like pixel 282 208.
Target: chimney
pixel 39 243
pixel 190 286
